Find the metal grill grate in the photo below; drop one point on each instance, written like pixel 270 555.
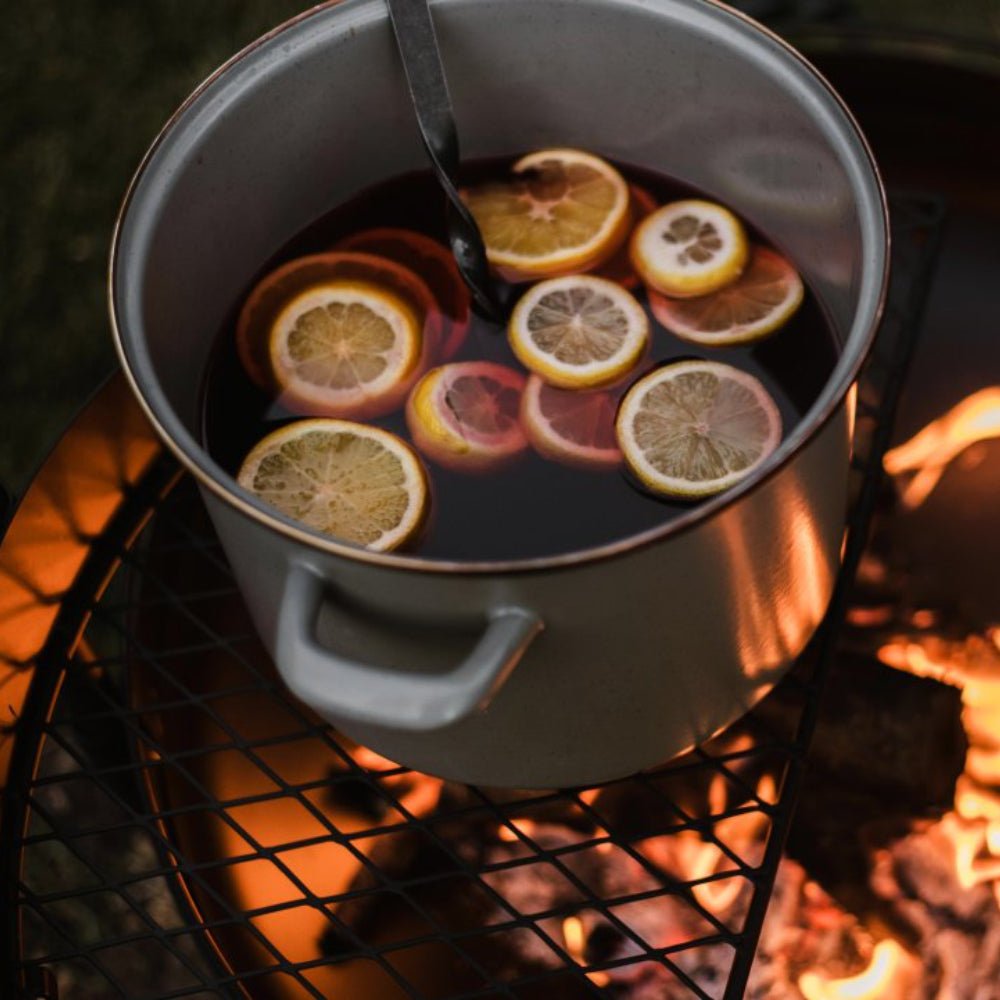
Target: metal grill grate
pixel 176 825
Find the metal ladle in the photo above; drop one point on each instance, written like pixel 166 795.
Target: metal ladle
pixel 418 47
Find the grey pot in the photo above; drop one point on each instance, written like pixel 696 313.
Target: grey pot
pixel 559 670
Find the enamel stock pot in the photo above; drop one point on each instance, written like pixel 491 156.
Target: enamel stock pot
pixel 554 671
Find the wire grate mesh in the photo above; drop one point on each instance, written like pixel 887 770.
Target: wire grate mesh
pixel 177 825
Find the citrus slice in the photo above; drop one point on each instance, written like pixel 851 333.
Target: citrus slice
pixel 693 428
pixel 759 302
pixel 465 415
pixel 274 292
pixel 434 264
pixel 619 268
pixel 356 483
pixel 345 348
pixel 575 428
pixel 562 211
pixel 578 332
pixel 689 248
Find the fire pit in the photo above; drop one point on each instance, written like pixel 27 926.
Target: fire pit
pixel 176 825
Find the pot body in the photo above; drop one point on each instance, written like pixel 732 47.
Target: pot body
pixel 648 646
pixel 641 655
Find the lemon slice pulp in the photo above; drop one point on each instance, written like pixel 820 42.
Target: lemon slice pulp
pixel 694 428
pixel 273 293
pixel 758 303
pixel 689 247
pixel 562 211
pixel 356 483
pixel 574 428
pixel 465 416
pixel 345 349
pixel 578 332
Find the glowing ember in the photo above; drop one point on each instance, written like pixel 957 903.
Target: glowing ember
pixel 889 976
pixel 927 454
pixel 572 928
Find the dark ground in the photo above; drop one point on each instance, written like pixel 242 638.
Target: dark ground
pixel 84 87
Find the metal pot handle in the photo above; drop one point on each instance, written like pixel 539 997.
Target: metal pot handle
pixel 396 699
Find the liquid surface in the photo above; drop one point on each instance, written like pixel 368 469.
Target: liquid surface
pixel 534 507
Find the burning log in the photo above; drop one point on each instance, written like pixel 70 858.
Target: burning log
pixel 897 735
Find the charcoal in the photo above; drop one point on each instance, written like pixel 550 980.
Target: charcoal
pixel 956 927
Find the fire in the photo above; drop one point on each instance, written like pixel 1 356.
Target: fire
pixel 927 454
pixel 688 855
pixel 572 929
pixel 888 977
pixel 973 666
pixel 576 942
pixel 974 862
pixel 509 831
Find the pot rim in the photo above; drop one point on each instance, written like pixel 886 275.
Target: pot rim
pixel 224 487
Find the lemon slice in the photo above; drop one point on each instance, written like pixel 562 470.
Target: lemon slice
pixel 352 482
pixel 578 332
pixel 465 416
pixel 345 349
pixel 759 302
pixel 693 428
pixel 278 288
pixel 562 211
pixel 689 248
pixel 574 428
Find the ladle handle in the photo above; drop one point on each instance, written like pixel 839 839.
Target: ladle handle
pixel 418 47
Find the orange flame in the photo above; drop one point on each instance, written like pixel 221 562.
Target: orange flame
pixel 887 977
pixel 973 828
pixel 689 856
pixel 927 454
pixel 509 831
pixel 973 864
pixel 576 941
pixel 572 929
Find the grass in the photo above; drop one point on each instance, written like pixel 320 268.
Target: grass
pixel 84 87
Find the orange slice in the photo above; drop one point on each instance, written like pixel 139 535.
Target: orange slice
pixel 578 332
pixel 694 428
pixel 759 302
pixel 356 483
pixel 619 268
pixel 345 348
pixel 689 247
pixel 562 211
pixel 465 415
pixel 273 293
pixel 433 263
pixel 575 428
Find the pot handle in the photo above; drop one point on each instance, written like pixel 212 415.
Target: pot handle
pixel 396 699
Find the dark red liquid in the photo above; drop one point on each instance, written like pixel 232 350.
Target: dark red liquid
pixel 533 507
